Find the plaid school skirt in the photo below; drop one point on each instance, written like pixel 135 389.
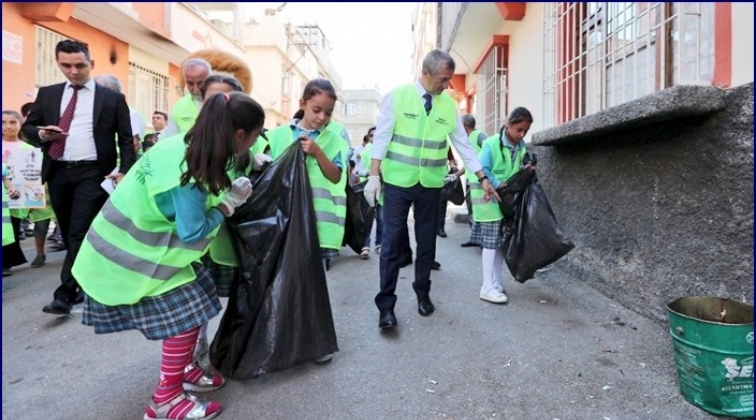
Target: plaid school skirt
pixel 159 317
pixel 487 234
pixel 223 275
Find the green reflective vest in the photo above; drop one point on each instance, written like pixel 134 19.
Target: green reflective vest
pixel 8 236
pixel 473 138
pixel 329 199
pixel 418 149
pixel 184 113
pixel 131 249
pixel 503 167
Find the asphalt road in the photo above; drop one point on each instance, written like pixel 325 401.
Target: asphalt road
pixel 557 350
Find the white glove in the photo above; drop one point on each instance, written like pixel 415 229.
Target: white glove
pixel 240 191
pixel 260 160
pixel 450 178
pixel 372 190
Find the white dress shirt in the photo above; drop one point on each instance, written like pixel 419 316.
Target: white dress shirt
pixel 80 143
pixel 384 131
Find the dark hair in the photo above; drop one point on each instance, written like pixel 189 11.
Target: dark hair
pixel 26 109
pixel 313 88
pixel 70 46
pixel 219 78
pixel 517 115
pixel 468 121
pixel 146 144
pixel 210 151
pixel 165 116
pixel 152 137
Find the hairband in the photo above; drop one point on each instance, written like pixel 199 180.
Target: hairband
pixel 228 98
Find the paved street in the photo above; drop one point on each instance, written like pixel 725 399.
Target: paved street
pixel 558 350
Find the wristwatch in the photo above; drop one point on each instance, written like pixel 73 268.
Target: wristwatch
pixel 480 179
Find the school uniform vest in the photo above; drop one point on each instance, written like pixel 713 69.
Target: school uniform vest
pixel 503 168
pixel 329 199
pixel 131 249
pixel 184 113
pixel 418 149
pixel 473 139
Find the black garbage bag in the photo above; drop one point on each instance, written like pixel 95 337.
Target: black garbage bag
pixel 453 191
pixel 533 239
pixel 279 312
pixel 359 217
pixel 512 191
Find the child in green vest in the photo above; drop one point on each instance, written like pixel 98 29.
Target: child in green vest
pixel 149 238
pixel 501 157
pixel 326 158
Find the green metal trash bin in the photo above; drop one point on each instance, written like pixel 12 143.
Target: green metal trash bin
pixel 713 343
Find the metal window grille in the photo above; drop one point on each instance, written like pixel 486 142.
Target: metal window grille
pixel 601 54
pixel 491 96
pixel 148 90
pixel 47 72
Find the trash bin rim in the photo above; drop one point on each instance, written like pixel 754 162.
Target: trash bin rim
pixel 681 314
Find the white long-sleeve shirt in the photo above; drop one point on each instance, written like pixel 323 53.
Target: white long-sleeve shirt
pixel 384 131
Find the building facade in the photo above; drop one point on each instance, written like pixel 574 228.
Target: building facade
pixel 567 60
pixel 286 57
pixel 144 50
pixel 360 113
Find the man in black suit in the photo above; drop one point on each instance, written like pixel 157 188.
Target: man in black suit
pixel 80 127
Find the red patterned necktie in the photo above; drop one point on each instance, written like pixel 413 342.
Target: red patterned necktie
pixel 56 150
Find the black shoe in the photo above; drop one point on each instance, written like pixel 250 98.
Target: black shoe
pixel 387 319
pixel 58 307
pixel 441 233
pixel 407 260
pixel 424 305
pixel 468 245
pixel 79 298
pixel 435 265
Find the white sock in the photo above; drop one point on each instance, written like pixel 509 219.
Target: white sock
pixel 498 264
pixel 488 257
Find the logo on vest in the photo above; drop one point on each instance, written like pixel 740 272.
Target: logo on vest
pixel 441 121
pixel 411 116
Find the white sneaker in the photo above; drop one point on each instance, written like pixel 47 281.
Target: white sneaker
pixel 324 359
pixel 493 296
pixel 499 287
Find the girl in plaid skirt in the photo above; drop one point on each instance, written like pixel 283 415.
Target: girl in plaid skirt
pixel 501 157
pixel 149 238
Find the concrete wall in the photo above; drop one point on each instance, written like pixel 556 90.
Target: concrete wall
pixel 660 211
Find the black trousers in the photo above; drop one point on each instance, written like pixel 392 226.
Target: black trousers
pixel 76 197
pixel 397 202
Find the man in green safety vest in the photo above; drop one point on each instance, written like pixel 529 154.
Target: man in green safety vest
pixel 410 153
pixel 186 109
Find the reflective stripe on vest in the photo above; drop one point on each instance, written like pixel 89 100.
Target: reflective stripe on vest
pixel 417 152
pixel 502 168
pixel 132 250
pixel 329 199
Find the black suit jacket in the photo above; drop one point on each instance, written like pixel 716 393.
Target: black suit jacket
pixel 112 127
